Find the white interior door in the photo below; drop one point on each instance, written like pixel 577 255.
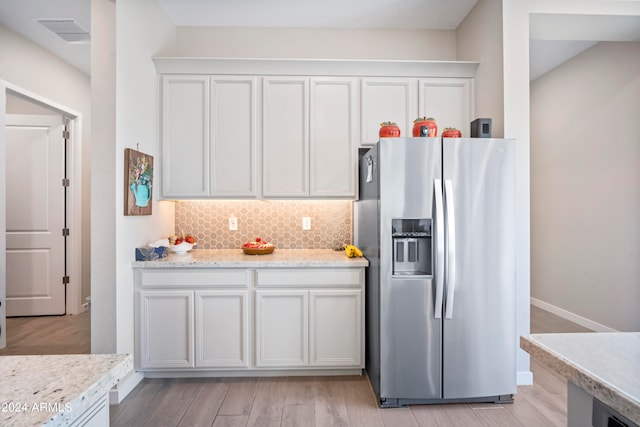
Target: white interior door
pixel 35 215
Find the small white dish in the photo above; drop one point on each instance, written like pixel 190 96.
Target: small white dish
pixel 182 248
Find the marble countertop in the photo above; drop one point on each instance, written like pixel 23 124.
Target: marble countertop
pixel 605 365
pixel 235 258
pixel 53 390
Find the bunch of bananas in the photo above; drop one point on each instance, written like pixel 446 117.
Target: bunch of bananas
pixel 352 251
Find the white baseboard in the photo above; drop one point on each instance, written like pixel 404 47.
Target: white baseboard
pixel 572 317
pixel 124 387
pixel 524 378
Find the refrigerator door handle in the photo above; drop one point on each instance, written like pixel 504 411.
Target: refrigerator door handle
pixel 451 248
pixel 439 237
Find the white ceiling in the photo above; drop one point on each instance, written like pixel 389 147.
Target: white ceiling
pixel 554 38
pixel 20 15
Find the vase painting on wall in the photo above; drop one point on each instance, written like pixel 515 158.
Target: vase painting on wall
pixel 138 194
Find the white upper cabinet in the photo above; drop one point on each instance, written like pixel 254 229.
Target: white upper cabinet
pixel 185 136
pixel 387 100
pixel 285 137
pixel 449 101
pixel 309 127
pixel 233 137
pixel 286 129
pixel 333 123
pixel 209 146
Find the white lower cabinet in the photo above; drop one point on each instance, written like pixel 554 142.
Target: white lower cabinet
pixel 335 327
pixel 166 329
pixel 282 328
pixel 222 328
pixel 262 319
pixel 97 415
pixel 309 328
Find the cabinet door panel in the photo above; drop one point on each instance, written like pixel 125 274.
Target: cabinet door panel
pixel 335 328
pixel 233 139
pixel 222 329
pixel 185 136
pixel 332 126
pixel 166 323
pixel 449 101
pixel 285 137
pixel 281 328
pixel 387 99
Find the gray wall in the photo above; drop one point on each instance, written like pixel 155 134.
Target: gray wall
pixel 585 186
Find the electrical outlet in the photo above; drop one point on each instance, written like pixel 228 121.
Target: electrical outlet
pixel 233 223
pixel 306 223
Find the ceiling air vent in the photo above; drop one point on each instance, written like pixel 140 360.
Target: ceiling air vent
pixel 68 30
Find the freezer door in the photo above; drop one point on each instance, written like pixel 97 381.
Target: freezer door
pixel 410 333
pixel 479 326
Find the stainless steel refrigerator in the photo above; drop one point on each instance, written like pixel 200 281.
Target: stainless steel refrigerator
pixel 436 220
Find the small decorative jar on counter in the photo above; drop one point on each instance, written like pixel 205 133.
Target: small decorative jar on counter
pixel 425 126
pixel 389 130
pixel 451 133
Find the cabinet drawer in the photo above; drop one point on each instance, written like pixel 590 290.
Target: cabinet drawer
pixel 310 277
pixel 191 277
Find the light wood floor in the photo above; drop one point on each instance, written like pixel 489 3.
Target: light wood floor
pixel 334 401
pixel 292 401
pixel 69 334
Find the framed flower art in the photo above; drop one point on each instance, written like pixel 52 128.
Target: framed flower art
pixel 138 182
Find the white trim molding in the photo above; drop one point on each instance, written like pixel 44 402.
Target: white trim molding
pixel 124 387
pixel 315 67
pixel 74 205
pixel 572 317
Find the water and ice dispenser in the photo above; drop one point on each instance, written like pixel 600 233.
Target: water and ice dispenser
pixel 411 246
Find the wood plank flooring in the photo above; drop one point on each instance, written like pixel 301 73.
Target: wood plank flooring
pixel 543 321
pixel 68 334
pixel 324 401
pixel 335 401
pixel 292 401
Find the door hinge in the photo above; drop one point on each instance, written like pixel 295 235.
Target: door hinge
pixel 65 182
pixel 65 232
pixel 65 280
pixel 65 134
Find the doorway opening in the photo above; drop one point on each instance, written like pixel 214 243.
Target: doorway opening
pixel 42 293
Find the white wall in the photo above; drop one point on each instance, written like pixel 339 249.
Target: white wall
pixel 143 31
pixel 479 38
pixel 103 187
pixel 315 43
pixel 515 24
pixel 125 114
pixel 585 186
pixel 29 67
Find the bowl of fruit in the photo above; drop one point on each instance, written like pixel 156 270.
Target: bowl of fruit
pixel 258 247
pixel 181 244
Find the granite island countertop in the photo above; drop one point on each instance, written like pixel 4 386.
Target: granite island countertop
pixel 53 390
pixel 604 365
pixel 235 258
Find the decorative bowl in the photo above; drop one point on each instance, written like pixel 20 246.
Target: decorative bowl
pixel 258 251
pixel 181 248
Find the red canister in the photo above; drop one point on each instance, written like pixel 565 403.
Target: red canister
pixel 425 126
pixel 451 133
pixel 389 130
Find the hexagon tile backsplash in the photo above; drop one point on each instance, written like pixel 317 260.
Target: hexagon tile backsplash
pixel 276 221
